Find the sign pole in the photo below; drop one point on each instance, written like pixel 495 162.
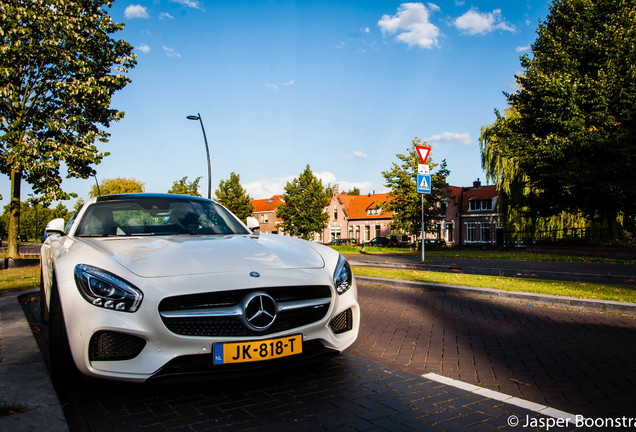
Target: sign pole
pixel 422 195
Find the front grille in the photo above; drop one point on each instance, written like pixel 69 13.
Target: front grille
pixel 343 322
pixel 109 346
pixel 233 326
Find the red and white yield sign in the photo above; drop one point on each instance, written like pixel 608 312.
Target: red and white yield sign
pixel 423 152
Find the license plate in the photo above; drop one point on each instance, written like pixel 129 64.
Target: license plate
pixel 240 352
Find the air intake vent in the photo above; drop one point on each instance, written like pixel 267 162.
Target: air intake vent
pixel 109 346
pixel 343 322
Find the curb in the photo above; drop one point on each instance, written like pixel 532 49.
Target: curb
pixel 542 299
pixel 24 379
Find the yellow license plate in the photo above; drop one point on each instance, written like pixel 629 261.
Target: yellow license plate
pixel 267 349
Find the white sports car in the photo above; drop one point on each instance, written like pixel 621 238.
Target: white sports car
pixel 140 286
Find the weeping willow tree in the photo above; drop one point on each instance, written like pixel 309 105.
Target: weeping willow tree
pixel 562 156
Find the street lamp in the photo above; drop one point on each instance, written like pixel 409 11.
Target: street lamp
pixel 207 151
pixel 35 206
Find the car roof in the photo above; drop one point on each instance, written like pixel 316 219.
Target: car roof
pixel 137 196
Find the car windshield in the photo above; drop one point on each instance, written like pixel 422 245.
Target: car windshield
pixel 157 216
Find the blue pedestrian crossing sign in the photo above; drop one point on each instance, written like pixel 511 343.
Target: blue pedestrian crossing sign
pixel 424 183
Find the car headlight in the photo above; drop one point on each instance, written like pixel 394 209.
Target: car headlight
pixel 342 277
pixel 104 289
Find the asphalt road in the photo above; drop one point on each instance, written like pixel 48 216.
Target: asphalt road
pixel 624 274
pixel 576 361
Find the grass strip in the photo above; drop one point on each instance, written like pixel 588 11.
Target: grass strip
pixel 581 290
pixel 487 254
pixel 19 278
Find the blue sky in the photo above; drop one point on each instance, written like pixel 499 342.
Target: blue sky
pixel 341 85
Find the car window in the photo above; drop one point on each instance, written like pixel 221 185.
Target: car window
pixel 157 216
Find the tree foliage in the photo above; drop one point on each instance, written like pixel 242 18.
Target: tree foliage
pixel 405 202
pixel 58 73
pixel 117 185
pixel 34 217
pixel 234 197
pixel 184 187
pixel 568 142
pixel 303 211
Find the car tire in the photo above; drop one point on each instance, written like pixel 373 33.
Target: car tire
pixel 63 369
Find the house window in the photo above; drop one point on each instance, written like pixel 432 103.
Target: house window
pixel 485 233
pixel 449 232
pixel 473 205
pixel 373 212
pixel 335 233
pixel 367 233
pixel 470 231
pixel 264 218
pixel 486 204
pixel 477 205
pixel 335 213
pixel 438 230
pixel 378 229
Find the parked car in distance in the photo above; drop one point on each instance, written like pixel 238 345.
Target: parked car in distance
pixel 139 287
pixel 381 241
pixel 435 243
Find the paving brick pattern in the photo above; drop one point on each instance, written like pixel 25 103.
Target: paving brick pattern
pixel 576 361
pixel 346 393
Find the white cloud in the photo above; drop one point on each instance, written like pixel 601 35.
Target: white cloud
pixel 523 48
pixel 411 23
pixel 357 155
pixel 266 188
pixel 136 11
pixel 194 4
pixel 143 48
pixel 276 87
pixel 474 22
pixel 165 16
pixel 450 136
pixel 171 52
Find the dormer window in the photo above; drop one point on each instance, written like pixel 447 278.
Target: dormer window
pixel 480 205
pixel 374 212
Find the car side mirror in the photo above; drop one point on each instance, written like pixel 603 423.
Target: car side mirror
pixel 55 226
pixel 252 223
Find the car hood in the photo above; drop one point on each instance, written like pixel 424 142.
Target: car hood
pixel 187 255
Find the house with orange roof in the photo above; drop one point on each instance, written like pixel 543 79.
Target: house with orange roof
pixel 468 217
pixel 358 218
pixel 265 213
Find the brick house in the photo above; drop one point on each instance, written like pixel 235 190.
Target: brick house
pixel 265 213
pixel 471 215
pixel 356 217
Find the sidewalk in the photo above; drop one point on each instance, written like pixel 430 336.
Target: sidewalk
pixel 24 379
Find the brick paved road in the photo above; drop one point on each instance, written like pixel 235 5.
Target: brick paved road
pixel 576 361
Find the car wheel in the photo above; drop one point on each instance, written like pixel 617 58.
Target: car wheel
pixel 63 369
pixel 44 309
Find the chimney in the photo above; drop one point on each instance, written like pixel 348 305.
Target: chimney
pixel 335 190
pixel 476 184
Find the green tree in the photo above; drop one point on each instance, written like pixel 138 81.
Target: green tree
pixel 184 187
pixel 355 191
pixel 303 211
pixel 117 185
pixel 404 201
pixel 58 73
pixel 33 218
pixel 572 138
pixel 234 197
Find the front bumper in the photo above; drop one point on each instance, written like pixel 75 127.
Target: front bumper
pixel 138 346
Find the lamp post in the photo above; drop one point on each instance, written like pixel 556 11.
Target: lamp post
pixel 207 151
pixel 35 206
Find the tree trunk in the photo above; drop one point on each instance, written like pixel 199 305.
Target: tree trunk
pixel 14 215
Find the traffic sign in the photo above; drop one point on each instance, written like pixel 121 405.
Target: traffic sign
pixel 423 169
pixel 423 184
pixel 423 152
